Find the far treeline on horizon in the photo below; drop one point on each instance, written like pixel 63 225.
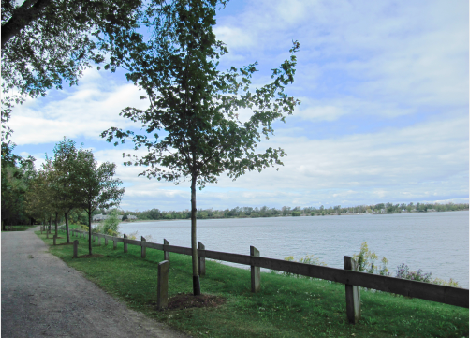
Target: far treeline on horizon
pixel 250 212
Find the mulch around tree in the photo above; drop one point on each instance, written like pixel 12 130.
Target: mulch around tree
pixel 188 300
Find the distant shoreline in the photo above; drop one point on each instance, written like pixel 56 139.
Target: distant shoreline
pixel 287 216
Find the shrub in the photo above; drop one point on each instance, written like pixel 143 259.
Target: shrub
pixel 419 276
pixel 306 260
pixel 111 224
pixel 404 272
pixel 450 282
pixel 366 260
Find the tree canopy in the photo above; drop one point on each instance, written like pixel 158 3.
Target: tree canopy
pixel 17 176
pixel 47 42
pixel 192 127
pixel 98 188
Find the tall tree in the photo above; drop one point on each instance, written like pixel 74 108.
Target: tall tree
pixel 195 106
pixel 98 187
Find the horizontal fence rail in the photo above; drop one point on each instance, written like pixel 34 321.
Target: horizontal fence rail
pixel 438 293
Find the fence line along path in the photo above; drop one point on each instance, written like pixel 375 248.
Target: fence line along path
pixel 349 276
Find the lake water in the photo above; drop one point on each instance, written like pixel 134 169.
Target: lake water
pixel 433 242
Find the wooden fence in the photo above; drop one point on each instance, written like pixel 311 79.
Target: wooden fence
pixel 348 276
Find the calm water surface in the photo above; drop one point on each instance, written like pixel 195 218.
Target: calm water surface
pixel 433 242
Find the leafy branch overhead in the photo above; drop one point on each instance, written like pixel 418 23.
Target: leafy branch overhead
pixel 48 42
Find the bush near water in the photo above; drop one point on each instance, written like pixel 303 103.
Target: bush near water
pixel 367 263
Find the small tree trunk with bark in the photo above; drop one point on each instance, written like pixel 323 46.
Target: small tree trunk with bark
pixel 67 228
pixel 196 286
pixel 89 232
pixel 56 221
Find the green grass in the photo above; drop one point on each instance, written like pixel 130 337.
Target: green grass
pixel 285 307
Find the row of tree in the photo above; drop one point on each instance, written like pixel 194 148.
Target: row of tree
pixel 69 181
pixel 240 212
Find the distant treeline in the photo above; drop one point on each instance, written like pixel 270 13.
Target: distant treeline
pixel 241 212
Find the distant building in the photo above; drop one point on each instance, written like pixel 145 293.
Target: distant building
pixel 131 217
pixel 101 217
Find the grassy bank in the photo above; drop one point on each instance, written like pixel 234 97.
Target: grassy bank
pixel 285 307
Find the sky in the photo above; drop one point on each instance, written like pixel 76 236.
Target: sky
pixel 384 113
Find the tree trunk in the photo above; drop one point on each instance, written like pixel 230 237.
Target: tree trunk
pixel 56 232
pixel 67 227
pixel 21 18
pixel 90 252
pixel 196 286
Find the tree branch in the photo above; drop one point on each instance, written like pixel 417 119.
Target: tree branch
pixel 22 17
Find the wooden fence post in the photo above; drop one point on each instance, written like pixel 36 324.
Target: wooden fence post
pixel 353 300
pixel 142 247
pixel 75 248
pixel 202 260
pixel 98 239
pixel 105 239
pixel 255 271
pixel 47 234
pixel 114 244
pixel 125 244
pixel 162 284
pixel 166 254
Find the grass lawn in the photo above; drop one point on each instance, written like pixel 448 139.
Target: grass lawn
pixel 286 306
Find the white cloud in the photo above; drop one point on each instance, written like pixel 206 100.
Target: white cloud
pixel 87 111
pixel 234 37
pixel 425 161
pixel 399 58
pixel 322 113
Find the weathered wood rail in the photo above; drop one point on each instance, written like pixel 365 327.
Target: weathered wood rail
pixel 350 278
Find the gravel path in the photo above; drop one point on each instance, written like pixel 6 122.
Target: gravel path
pixel 42 296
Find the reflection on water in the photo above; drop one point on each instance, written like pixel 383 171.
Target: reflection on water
pixel 433 242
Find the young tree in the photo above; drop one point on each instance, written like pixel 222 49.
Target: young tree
pixel 98 188
pixel 195 106
pixel 52 190
pixel 111 223
pixel 65 187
